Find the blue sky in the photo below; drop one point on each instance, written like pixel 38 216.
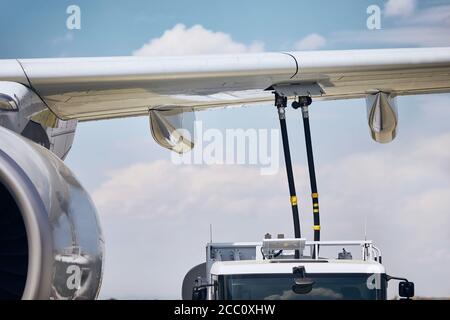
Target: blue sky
pixel 107 153
pixel 119 28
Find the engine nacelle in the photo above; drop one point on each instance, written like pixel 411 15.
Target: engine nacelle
pixel 382 115
pixel 51 245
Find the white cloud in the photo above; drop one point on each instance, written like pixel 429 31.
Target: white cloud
pixel 159 181
pixel 399 8
pixel 437 108
pixel 181 40
pixel 422 36
pixel 423 28
pixel 66 38
pixel 439 15
pixel 153 212
pixel 313 41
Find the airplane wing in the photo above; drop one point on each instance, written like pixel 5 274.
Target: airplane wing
pixel 103 88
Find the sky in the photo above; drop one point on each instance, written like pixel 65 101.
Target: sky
pixel 156 215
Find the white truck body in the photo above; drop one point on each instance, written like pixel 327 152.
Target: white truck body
pixel 265 271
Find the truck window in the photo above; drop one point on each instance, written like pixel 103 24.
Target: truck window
pixel 343 286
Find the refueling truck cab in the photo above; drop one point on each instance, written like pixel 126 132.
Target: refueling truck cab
pixel 268 270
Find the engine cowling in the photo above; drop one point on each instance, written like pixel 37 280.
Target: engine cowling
pixel 51 244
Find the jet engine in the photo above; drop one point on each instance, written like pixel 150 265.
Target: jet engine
pixel 51 244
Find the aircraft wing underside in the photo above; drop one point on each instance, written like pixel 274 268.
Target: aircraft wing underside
pixel 103 88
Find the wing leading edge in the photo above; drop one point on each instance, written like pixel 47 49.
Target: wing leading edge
pixel 102 88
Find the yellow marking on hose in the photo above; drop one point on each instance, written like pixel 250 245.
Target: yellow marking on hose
pixel 316 210
pixel 316 228
pixel 294 200
pixel 315 195
pixel 315 205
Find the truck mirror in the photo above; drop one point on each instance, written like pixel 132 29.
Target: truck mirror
pixel 406 289
pixel 302 286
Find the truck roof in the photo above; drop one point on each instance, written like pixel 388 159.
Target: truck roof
pixel 286 266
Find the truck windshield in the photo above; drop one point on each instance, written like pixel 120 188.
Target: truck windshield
pixel 348 286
